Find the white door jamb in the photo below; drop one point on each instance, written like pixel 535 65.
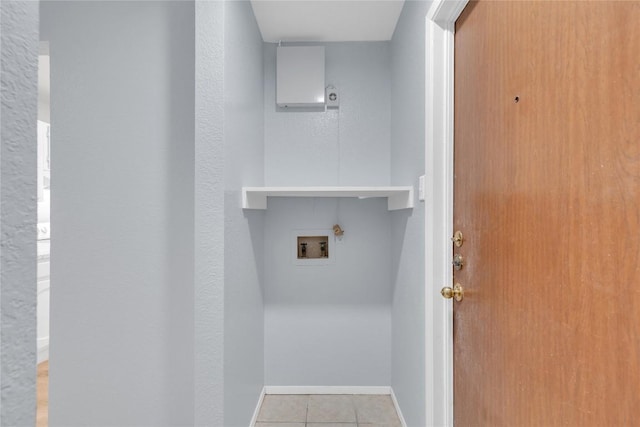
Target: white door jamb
pixel 440 29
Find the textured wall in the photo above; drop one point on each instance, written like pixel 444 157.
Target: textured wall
pixel 18 112
pixel 348 146
pixel 321 321
pixel 209 215
pixel 122 116
pixel 407 164
pixel 243 232
pixel 328 324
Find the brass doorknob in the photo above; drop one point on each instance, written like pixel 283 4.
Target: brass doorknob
pixel 457 292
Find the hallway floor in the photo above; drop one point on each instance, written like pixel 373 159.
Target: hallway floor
pixel 42 399
pixel 327 411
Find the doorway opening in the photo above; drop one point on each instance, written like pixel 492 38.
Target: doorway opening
pixel 43 232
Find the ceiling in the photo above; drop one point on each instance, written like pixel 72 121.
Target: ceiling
pixel 326 20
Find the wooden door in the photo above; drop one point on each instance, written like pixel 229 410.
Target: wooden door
pixel 547 195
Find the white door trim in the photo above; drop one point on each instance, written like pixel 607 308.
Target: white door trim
pixel 440 29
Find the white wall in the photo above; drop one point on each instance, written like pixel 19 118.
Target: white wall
pixel 18 114
pixel 122 253
pixel 243 231
pixel 408 230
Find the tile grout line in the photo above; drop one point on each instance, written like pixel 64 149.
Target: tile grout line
pixel 355 409
pixel 307 423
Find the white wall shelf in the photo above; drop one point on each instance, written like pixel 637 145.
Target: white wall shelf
pixel 398 197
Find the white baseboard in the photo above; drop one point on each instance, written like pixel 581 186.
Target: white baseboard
pixel 254 419
pixel 285 389
pixel 397 405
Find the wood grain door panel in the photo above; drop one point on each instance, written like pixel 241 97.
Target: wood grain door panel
pixel 547 194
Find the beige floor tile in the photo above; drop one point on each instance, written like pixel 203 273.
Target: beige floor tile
pixel 331 409
pixel 331 425
pixel 377 410
pixel 279 425
pixel 284 408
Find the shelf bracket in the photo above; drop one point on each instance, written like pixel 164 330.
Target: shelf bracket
pixel 253 200
pixel 402 200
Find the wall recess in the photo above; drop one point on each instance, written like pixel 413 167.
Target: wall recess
pixel 313 247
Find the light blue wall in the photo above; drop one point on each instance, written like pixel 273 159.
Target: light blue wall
pixel 408 228
pixel 160 319
pixel 244 231
pixel 122 214
pixel 18 111
pixel 348 146
pixel 209 215
pixel 330 325
pixel 359 321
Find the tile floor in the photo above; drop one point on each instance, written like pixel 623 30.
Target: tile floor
pixel 324 410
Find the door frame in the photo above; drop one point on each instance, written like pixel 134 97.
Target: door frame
pixel 439 133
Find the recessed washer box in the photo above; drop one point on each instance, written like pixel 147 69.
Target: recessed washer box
pixel 313 247
pixel 300 76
